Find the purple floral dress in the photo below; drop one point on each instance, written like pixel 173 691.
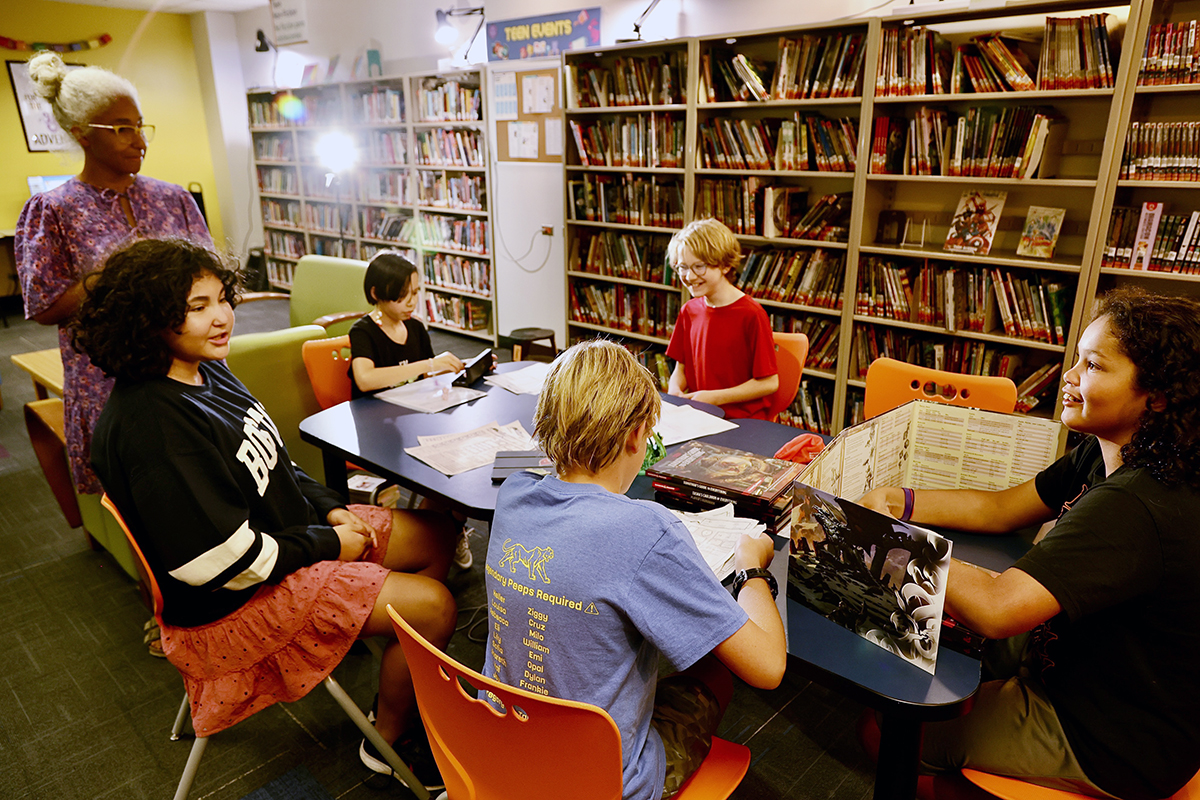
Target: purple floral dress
pixel 64 234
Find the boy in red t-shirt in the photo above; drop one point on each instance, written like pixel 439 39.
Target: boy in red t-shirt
pixel 722 343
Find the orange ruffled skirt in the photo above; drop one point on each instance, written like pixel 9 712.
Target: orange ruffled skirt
pixel 284 641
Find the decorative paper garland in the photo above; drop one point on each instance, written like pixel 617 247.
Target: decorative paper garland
pixel 89 44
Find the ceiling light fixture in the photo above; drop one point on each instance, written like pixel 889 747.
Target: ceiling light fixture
pixel 637 26
pixel 446 34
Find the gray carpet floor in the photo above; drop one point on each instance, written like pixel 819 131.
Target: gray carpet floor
pixel 85 712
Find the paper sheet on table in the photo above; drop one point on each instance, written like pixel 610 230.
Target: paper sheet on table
pixel 681 423
pixel 527 380
pixel 454 453
pixel 716 532
pixel 430 395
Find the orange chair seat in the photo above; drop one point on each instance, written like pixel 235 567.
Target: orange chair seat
pixel 1016 789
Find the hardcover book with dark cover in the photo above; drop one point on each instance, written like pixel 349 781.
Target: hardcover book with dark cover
pixel 733 474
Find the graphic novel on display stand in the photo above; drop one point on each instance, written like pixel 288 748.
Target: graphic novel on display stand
pixel 975 221
pixel 877 576
pixel 1040 235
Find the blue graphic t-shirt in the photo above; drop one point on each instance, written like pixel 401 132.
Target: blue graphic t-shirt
pixel 585 589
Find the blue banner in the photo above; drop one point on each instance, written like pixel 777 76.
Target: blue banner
pixel 543 35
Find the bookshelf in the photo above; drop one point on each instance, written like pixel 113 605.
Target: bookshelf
pixel 419 185
pixel 1156 146
pixel 870 262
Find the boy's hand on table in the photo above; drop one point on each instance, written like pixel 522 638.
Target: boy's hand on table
pixel 753 551
pixel 703 396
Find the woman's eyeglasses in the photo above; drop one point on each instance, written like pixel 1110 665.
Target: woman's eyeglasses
pixel 127 132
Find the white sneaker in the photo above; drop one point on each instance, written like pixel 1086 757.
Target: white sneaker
pixel 462 552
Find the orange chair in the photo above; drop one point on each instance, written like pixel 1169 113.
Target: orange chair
pixel 483 754
pixel 150 585
pixel 327 362
pixel 791 351
pixel 892 383
pixel 1016 789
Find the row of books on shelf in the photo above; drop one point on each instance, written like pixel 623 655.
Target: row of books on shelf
pixel 631 81
pixel 813 65
pixel 1171 56
pixel 281 243
pixel 958 355
pixel 330 218
pixel 452 311
pixel 625 308
pixel 1162 151
pixel 811 410
pixel 456 272
pixel 627 199
pixel 822 332
pixel 752 207
pixel 381 105
pixel 273 147
pixel 381 186
pixel 281 212
pixel 810 277
pixel 452 191
pixel 644 140
pixel 469 235
pixel 973 299
pixel 805 142
pixel 1074 53
pixel 1147 239
pixel 280 273
pixel 449 148
pixel 1009 142
pixel 636 256
pixel 278 180
pixel 441 100
pixel 387 147
pixel 286 109
pixel 368 250
pixel 334 246
pixel 379 223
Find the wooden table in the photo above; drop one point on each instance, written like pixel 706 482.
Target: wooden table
pixel 46 369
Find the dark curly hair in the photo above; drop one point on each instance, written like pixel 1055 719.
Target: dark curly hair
pixel 1161 336
pixel 142 292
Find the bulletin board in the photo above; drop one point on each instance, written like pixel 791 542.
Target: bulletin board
pixel 530 127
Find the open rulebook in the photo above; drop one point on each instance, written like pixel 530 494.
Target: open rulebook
pixel 928 445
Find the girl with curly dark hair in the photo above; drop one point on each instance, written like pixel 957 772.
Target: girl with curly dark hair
pixel 1096 689
pixel 267 577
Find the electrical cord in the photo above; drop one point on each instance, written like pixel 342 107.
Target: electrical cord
pixel 472 623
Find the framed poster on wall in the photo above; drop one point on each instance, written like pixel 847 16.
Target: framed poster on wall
pixel 42 132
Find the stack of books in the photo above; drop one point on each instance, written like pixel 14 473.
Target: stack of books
pixel 700 475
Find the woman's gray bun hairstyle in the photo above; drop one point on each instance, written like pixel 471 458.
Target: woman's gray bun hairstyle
pixel 77 96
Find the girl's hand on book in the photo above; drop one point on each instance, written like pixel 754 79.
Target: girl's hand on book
pixel 354 543
pixel 753 551
pixel 446 362
pixel 886 500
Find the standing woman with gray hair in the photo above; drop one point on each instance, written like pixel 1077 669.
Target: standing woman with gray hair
pixel 67 232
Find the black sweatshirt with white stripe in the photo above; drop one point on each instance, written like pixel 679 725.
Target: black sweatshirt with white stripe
pixel 204 482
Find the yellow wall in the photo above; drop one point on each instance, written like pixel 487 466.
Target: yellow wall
pixel 154 51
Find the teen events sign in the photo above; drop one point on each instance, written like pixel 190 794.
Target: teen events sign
pixel 42 132
pixel 544 35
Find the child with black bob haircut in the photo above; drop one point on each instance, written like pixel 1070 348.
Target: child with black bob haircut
pixel 389 346
pixel 267 577
pixel 603 584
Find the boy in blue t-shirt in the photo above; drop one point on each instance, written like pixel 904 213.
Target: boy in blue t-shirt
pixel 587 588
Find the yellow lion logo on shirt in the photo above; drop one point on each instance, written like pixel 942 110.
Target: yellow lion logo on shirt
pixel 534 560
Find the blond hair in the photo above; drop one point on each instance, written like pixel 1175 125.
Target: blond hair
pixel 595 394
pixel 711 242
pixel 77 96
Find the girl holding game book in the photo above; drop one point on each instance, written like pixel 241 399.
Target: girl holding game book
pixel 1095 688
pixel 722 344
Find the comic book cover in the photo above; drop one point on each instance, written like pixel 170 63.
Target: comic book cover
pixel 1040 235
pixel 877 576
pixel 975 221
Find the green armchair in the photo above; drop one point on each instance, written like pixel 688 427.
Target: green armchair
pixel 326 291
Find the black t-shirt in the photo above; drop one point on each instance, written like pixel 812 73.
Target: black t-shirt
pixel 1119 663
pixel 203 480
pixel 367 340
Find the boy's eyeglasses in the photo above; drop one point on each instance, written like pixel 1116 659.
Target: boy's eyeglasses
pixel 127 132
pixel 696 269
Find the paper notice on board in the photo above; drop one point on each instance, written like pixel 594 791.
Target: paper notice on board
pixel 504 95
pixel 522 140
pixel 289 18
pixel 554 137
pixel 537 94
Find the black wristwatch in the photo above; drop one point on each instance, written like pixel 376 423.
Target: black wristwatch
pixel 741 576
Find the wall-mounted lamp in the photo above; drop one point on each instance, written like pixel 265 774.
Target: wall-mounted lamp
pixel 637 26
pixel 264 45
pixel 446 34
